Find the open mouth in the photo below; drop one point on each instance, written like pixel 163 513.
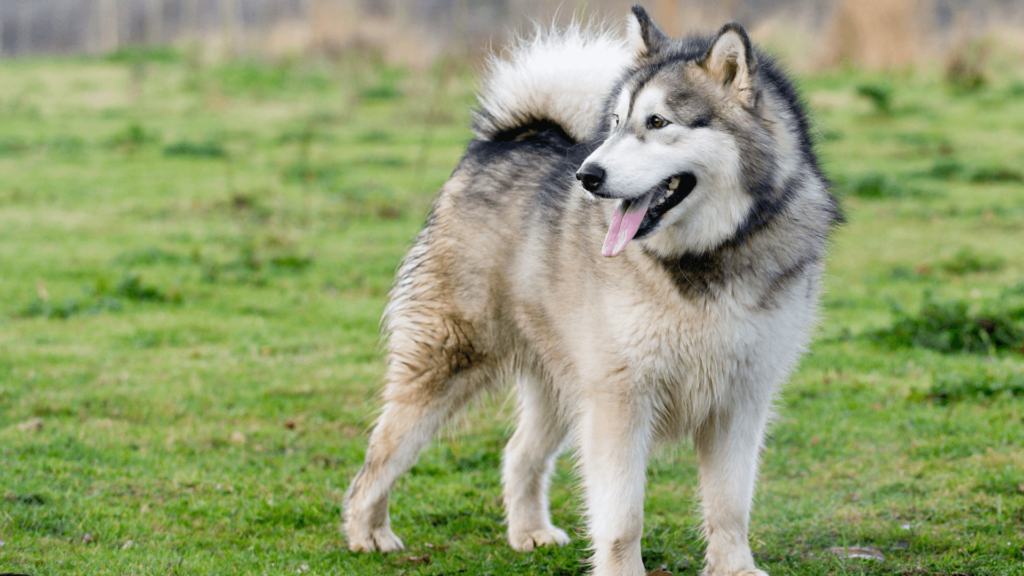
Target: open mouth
pixel 638 217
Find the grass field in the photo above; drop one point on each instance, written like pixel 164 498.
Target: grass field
pixel 194 260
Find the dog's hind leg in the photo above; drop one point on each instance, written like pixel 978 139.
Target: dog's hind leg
pixel 727 449
pixel 529 461
pixel 431 375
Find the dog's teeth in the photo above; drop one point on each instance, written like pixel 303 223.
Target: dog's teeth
pixel 673 183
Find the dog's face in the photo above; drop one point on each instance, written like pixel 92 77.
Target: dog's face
pixel 672 158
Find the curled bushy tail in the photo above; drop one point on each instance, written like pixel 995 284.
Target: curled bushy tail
pixel 562 76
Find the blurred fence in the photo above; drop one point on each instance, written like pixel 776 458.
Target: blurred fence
pixel 870 31
pixel 91 26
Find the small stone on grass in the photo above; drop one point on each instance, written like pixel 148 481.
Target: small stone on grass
pixel 31 425
pixel 857 552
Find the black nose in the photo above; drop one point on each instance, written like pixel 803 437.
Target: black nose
pixel 591 175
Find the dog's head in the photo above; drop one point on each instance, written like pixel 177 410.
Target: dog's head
pixel 685 127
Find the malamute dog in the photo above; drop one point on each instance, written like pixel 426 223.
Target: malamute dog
pixel 636 239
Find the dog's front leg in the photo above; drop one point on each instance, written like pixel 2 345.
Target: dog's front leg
pixel 615 437
pixel 728 447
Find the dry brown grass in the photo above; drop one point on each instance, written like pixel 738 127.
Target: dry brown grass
pixel 873 34
pixel 879 34
pixel 678 17
pixel 967 65
pixel 336 28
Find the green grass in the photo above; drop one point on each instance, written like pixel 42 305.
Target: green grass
pixel 194 262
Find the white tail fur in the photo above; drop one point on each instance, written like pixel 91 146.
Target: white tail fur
pixel 559 75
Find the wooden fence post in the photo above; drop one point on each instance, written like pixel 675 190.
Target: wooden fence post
pixel 228 15
pixel 109 23
pixel 190 20
pixel 155 22
pixel 24 25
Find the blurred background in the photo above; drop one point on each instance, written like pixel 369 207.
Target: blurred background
pixel 203 204
pixel 810 34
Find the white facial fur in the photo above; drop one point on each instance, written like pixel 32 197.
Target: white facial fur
pixel 717 205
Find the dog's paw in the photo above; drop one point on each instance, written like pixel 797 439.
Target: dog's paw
pixel 528 540
pixel 753 572
pixel 381 539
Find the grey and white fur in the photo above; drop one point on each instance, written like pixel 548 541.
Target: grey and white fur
pixel 621 328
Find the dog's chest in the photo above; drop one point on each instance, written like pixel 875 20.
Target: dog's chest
pixel 703 343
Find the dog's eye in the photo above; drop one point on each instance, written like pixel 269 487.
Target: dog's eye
pixel 615 120
pixel 656 122
pixel 701 122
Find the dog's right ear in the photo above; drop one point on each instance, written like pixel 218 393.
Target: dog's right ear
pixel 731 60
pixel 645 38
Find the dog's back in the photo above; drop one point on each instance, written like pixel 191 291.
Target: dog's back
pixel 498 224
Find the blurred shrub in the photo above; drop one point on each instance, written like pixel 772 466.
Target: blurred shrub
pixel 965 66
pixel 255 262
pixel 952 326
pixel 100 298
pixel 291 261
pixel 946 169
pixel 875 185
pixel 132 288
pixel 385 87
pixel 381 92
pixel 12 145
pixel 39 308
pixel 967 261
pixel 880 96
pixel 374 137
pixel 949 388
pixel 205 149
pixel 989 174
pixel 131 137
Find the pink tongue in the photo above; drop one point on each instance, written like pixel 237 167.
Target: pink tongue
pixel 625 222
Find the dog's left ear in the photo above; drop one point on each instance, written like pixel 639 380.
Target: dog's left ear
pixel 731 61
pixel 645 38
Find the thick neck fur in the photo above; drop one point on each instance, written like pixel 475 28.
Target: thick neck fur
pixel 766 262
pixel 785 230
